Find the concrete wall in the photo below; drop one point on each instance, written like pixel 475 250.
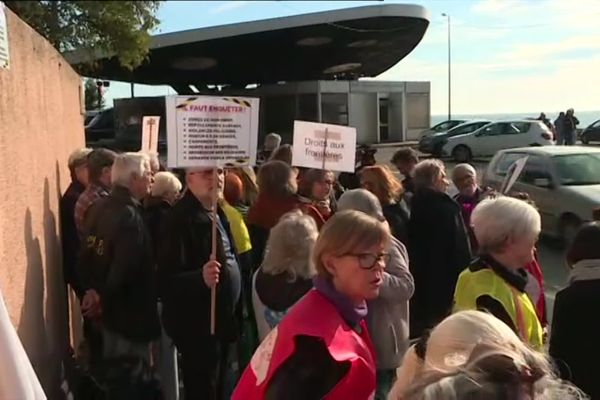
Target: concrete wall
pixel 40 124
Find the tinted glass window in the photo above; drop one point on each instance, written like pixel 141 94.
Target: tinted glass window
pixel 596 124
pixel 517 127
pixel 493 129
pixel 506 161
pixel 535 168
pixel 578 169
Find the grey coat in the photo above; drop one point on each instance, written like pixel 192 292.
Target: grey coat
pixel 388 314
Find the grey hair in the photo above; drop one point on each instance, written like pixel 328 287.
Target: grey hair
pixel 153 160
pixel 427 172
pixel 462 168
pixel 127 165
pixel 78 157
pixel 497 220
pixel 272 141
pixel 164 183
pixel 289 247
pixel 361 200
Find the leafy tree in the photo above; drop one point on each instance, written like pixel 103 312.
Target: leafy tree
pixel 93 100
pixel 120 28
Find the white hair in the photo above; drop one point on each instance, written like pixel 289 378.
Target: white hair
pixel 361 200
pixel 78 157
pixel 463 168
pixel 289 247
pixel 272 141
pixel 497 220
pixel 127 165
pixel 153 160
pixel 164 183
pixel 427 172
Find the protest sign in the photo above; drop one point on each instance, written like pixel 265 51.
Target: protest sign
pixel 324 146
pixel 4 55
pixel 513 173
pixel 210 131
pixel 150 134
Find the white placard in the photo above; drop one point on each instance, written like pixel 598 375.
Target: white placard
pixel 324 146
pixel 4 55
pixel 209 131
pixel 512 174
pixel 150 134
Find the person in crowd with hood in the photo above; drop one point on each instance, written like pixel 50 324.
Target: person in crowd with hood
pixel 438 246
pixel 574 334
pixel 316 194
pixel 326 354
pixel 277 196
pixel 186 275
pixel 287 271
pixel 388 313
pixel 118 274
pixel 165 192
pixel 380 181
pixel 70 239
pixel 405 160
pixel 506 230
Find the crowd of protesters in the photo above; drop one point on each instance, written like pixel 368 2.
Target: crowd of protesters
pixel 321 282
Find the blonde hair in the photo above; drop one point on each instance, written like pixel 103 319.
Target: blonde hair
pixel 164 183
pixel 385 185
pixel 282 153
pixel 348 232
pixel 127 165
pixel 289 246
pixel 249 185
pixel 78 157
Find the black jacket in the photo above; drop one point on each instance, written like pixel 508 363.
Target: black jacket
pixel 185 246
pixel 155 210
pixel 398 218
pixel 117 262
pixel 439 250
pixel 574 335
pixel 70 238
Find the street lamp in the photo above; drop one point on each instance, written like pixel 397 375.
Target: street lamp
pixel 449 70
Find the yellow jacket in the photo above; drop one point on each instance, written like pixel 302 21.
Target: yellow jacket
pixel 241 237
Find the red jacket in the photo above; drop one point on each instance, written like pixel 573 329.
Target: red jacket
pixel 343 344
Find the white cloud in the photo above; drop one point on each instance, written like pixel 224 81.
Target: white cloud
pixel 228 6
pixel 545 51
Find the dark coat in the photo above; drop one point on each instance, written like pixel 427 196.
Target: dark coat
pixel 185 246
pixel 574 335
pixel 70 238
pixel 398 218
pixel 155 210
pixel 117 262
pixel 439 250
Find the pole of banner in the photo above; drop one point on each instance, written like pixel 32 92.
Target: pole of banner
pixel 325 148
pixel 213 253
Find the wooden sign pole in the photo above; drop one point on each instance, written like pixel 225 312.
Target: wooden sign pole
pixel 325 148
pixel 213 253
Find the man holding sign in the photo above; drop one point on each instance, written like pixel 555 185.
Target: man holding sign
pixel 186 276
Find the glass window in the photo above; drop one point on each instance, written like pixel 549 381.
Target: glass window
pixel 596 124
pixel 493 129
pixel 516 128
pixel 383 119
pixel 334 108
pixel 506 161
pixel 578 169
pixel 535 168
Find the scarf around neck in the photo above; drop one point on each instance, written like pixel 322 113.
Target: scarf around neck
pixel 351 313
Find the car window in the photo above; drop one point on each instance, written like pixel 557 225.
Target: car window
pixel 535 168
pixel 596 124
pixel 578 169
pixel 506 161
pixel 492 130
pixel 463 130
pixel 444 126
pixel 517 127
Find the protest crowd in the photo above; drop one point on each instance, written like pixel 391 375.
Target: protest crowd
pixel 338 286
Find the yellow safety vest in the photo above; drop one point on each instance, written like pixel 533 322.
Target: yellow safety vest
pixel 239 231
pixel 473 284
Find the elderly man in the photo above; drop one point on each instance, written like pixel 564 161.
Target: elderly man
pixel 99 167
pixel 187 274
pixel 438 246
pixel 117 270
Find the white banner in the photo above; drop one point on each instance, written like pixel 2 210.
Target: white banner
pixel 150 134
pixel 4 55
pixel 324 146
pixel 209 131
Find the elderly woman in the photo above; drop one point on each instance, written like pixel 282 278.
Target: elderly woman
pixel 282 153
pixel 286 272
pixel 164 193
pixel 315 190
pixel 379 180
pixel 507 230
pixel 277 195
pixel 388 313
pixel 321 348
pixel 438 246
pixel 574 335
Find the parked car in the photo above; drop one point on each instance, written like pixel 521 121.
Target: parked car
pixel 442 127
pixel 101 127
pixel 591 133
pixel 563 181
pixel 497 136
pixel 433 143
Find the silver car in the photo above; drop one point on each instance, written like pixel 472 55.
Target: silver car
pixel 563 181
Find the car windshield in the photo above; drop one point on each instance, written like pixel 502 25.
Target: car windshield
pixel 578 169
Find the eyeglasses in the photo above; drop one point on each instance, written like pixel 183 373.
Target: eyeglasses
pixel 368 260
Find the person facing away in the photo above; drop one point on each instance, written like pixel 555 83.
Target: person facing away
pixel 119 278
pixel 187 274
pixel 405 160
pixel 100 163
pixel 438 246
pixel 286 272
pixel 165 192
pixel 506 230
pixel 574 334
pixel 559 127
pixel 70 238
pixel 388 313
pixel 321 348
pixel 271 143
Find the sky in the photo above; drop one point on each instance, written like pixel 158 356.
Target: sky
pixel 508 56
